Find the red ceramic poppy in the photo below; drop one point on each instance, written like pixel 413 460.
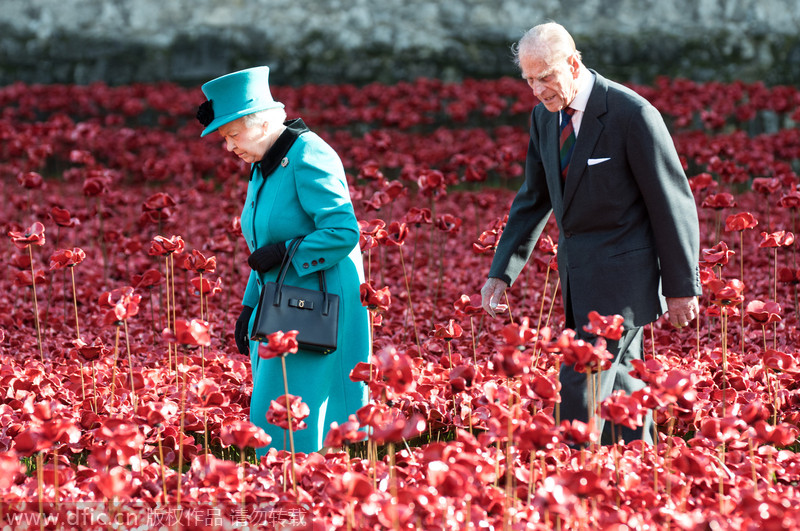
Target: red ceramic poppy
pixel 702 181
pixel 157 414
pixel 763 313
pixel 158 201
pixel 34 235
pixel 716 256
pixel 396 234
pixel 124 304
pixel 487 242
pixel 790 200
pixel 208 289
pixel 780 435
pixel 148 279
pixel 363 372
pixel 277 413
pixel 418 216
pixel 61 217
pixel 95 185
pixel 243 434
pixel 91 351
pixel 780 238
pixel 197 262
pixel 468 305
pixel 766 185
pixel 607 326
pixel 449 331
pixel 719 201
pixel 740 221
pixel 192 333
pixel 448 223
pixel 375 299
pixel 163 246
pixel 278 344
pixel 726 293
pixel 546 245
pixel 395 368
pixel 431 183
pixel 348 432
pixel 67 258
pixel 30 180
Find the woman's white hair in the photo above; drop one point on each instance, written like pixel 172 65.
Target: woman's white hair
pixel 275 116
pixel 549 42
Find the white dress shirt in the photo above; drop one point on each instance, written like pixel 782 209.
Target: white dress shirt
pixel 585 84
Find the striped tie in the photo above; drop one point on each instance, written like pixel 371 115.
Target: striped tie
pixel 566 140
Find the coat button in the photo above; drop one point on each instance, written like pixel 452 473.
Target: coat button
pixel 305 266
pixel 285 161
pixel 313 262
pixel 568 234
pixel 321 260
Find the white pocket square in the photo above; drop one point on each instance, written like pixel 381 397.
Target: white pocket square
pixel 592 162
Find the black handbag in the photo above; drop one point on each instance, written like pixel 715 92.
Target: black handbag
pixel 314 314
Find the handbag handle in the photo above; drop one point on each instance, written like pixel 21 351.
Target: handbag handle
pixel 287 259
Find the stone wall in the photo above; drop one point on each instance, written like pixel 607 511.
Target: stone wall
pixel 358 41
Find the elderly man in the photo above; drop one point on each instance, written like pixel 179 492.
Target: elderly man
pixel 600 157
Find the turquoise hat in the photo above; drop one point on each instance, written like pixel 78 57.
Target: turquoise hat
pixel 235 95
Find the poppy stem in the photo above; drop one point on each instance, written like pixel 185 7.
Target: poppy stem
pixel 472 333
pixel 753 465
pixel 36 305
pixel 410 303
pixel 94 389
pixel 161 465
pixel 552 302
pixel 55 475
pixel 166 311
pixel 508 303
pixel 241 470
pixel 39 485
pixel 289 418
pixel 75 303
pixel 541 314
pixel 182 385
pixel 114 364
pixel 134 400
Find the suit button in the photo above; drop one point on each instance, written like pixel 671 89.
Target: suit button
pixel 313 262
pixel 568 234
pixel 305 266
pixel 252 203
pixel 321 260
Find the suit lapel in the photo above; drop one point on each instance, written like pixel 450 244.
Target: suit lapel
pixel 591 129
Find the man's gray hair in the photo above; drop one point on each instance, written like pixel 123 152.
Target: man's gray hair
pixel 550 42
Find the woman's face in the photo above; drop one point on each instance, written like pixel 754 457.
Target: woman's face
pixel 248 143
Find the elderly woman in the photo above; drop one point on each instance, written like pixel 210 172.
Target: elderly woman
pixel 297 188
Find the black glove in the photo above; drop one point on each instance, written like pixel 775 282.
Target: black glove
pixel 265 258
pixel 240 332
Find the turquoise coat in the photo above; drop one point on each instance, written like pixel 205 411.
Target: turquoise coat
pixel 304 192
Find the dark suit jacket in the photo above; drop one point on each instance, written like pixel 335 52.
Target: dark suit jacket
pixel 627 225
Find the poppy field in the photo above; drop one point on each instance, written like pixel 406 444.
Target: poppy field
pixel 124 402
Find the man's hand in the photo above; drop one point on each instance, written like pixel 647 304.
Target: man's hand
pixel 491 293
pixel 681 310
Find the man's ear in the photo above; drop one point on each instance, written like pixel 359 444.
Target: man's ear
pixel 574 65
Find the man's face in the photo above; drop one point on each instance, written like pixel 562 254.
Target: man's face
pixel 555 85
pixel 248 143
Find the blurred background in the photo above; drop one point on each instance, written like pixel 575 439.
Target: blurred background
pixel 361 41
